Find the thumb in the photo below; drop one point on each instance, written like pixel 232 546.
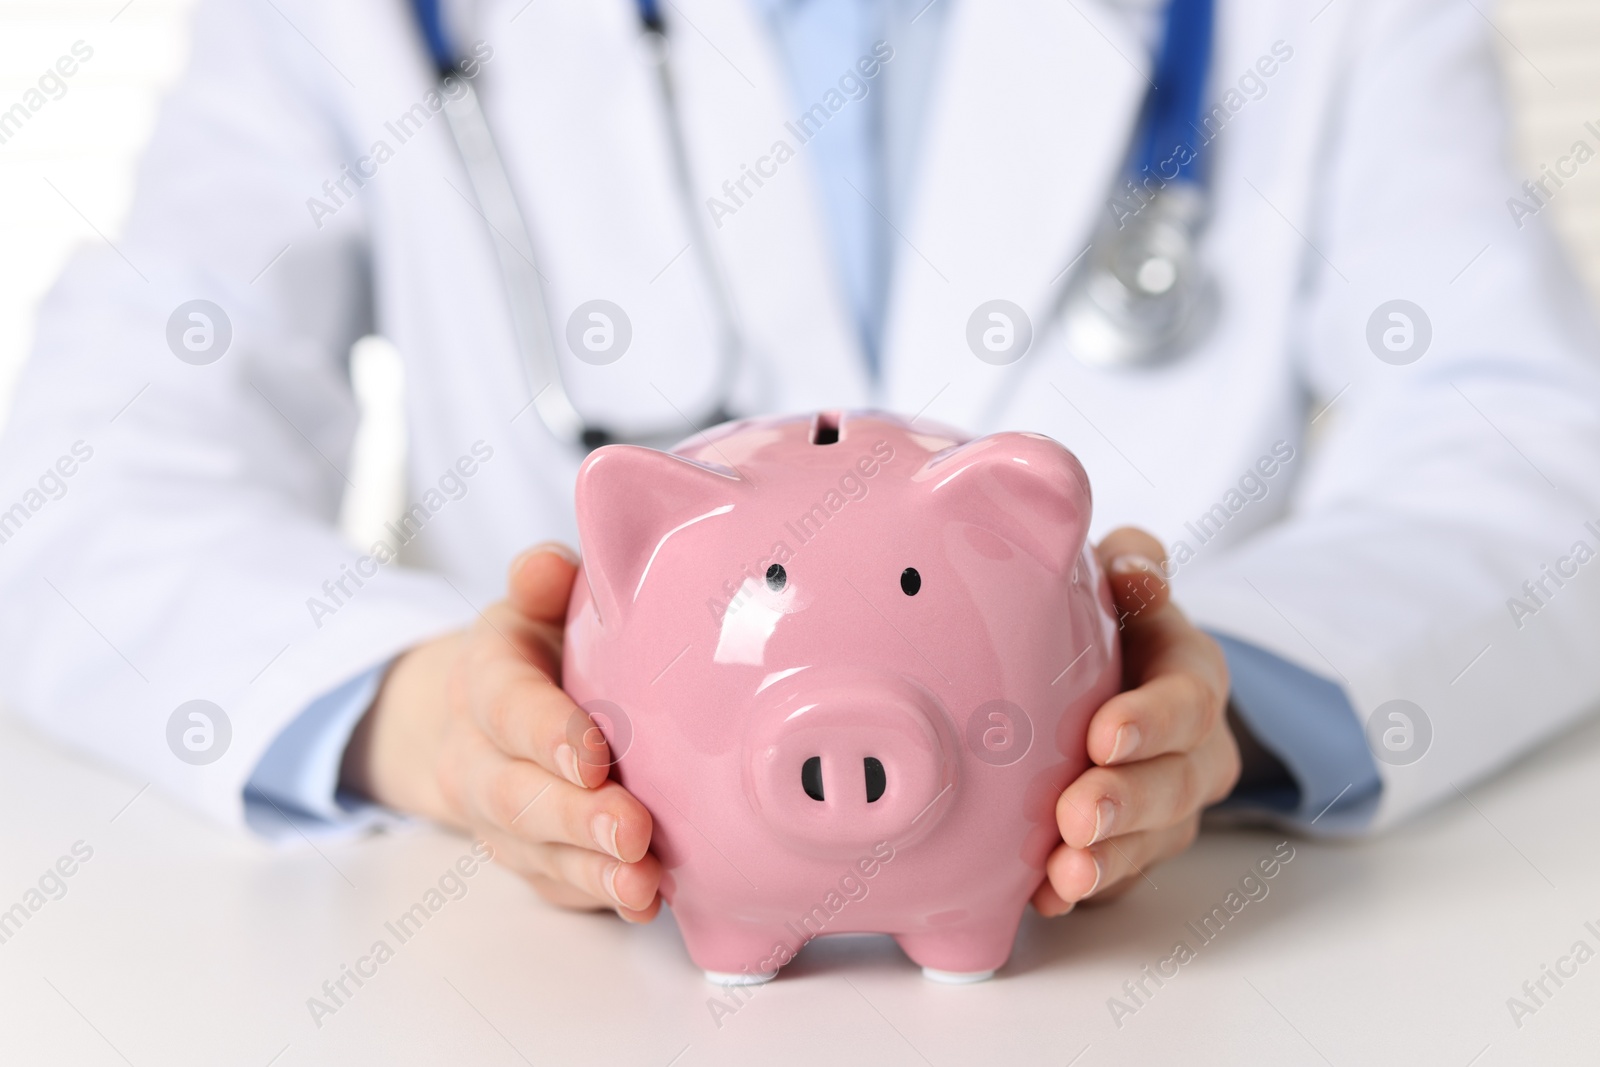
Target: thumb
pixel 1132 559
pixel 540 582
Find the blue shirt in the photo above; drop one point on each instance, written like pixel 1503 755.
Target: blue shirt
pixel 863 163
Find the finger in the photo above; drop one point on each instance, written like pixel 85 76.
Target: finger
pixel 1077 874
pixel 628 886
pixel 647 915
pixel 1047 902
pixel 597 879
pixel 1106 802
pixel 567 896
pixel 502 631
pixel 525 801
pixel 561 894
pixel 1132 559
pixel 1180 680
pixel 528 717
pixel 519 857
pixel 1129 541
pixel 540 581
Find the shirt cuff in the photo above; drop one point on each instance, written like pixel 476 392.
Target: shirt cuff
pixel 1310 725
pixel 294 789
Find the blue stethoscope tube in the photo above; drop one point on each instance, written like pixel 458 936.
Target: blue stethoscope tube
pixel 1174 105
pixel 432 27
pixel 650 15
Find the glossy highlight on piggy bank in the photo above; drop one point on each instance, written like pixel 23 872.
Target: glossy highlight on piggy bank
pixel 848 663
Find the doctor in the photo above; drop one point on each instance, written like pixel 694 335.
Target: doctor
pixel 1364 436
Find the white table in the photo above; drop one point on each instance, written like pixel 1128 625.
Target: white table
pixel 180 943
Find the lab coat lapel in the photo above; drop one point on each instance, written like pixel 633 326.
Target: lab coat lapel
pixel 1030 120
pixel 766 222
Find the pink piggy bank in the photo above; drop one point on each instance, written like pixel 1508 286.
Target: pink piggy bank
pixel 848 665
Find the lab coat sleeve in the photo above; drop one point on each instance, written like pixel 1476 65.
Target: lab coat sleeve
pixel 294 789
pixel 192 553
pixel 1439 549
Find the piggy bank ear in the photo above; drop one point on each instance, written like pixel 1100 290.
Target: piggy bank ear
pixel 1023 487
pixel 629 500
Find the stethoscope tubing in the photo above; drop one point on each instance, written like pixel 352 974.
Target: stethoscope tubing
pixel 524 283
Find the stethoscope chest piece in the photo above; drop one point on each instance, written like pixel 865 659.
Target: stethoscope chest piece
pixel 1141 296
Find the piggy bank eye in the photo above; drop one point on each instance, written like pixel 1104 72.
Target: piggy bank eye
pixel 910 581
pixel 777 577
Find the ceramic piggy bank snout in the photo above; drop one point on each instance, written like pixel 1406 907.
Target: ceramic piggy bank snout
pixel 822 758
pixel 848 664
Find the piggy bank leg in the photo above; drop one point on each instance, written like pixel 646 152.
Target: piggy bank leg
pixel 963 952
pixel 733 954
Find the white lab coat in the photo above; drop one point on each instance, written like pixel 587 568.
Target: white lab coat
pixel 180 561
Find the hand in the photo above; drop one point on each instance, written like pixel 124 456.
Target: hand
pixel 1162 748
pixel 472 730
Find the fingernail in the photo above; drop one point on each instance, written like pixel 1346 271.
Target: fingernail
pixel 1104 813
pixel 610 879
pixel 1099 873
pixel 1125 744
pixel 604 828
pixel 1134 563
pixel 1066 906
pixel 555 548
pixel 567 760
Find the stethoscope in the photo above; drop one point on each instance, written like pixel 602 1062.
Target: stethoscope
pixel 1138 294
pixel 1141 295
